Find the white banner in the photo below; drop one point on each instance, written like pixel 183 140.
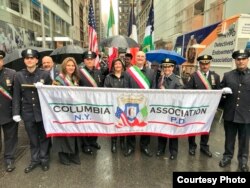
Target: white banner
pixel 78 111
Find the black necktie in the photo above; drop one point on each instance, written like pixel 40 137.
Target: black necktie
pixel 205 74
pixel 241 75
pixel 167 80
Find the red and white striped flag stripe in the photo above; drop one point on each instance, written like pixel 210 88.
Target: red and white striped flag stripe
pixel 93 42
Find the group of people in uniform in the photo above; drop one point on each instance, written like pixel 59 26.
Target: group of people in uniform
pixel 19 101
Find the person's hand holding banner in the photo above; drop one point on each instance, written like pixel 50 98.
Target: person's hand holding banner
pixel 227 90
pixel 17 118
pixel 38 84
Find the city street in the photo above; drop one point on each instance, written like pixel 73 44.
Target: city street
pixel 105 169
pixel 92 67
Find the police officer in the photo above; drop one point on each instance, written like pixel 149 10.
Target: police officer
pixel 90 77
pixel 236 110
pixel 202 79
pixel 9 127
pixel 26 105
pixel 132 80
pixel 169 81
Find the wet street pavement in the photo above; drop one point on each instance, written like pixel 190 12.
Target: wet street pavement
pixel 105 169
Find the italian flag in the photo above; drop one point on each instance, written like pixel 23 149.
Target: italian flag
pixel 111 22
pixel 112 52
pixel 148 44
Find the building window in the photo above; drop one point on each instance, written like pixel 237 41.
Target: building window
pixel 46 16
pixel 46 19
pixel 199 7
pixel 36 14
pixel 216 11
pixel 63 5
pixel 14 5
pixel 58 24
pixel 67 29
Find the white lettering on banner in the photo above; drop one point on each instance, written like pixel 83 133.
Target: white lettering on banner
pixel 75 111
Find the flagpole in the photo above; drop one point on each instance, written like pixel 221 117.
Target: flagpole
pixel 133 10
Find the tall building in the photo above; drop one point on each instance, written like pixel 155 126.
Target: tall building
pixel 79 28
pixel 175 17
pixel 22 23
pixel 123 11
pixel 142 11
pixel 97 9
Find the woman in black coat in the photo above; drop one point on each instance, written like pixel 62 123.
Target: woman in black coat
pixel 115 79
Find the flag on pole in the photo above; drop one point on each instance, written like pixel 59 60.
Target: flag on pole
pixel 148 44
pixel 112 52
pixel 132 32
pixel 132 29
pixel 93 42
pixel 111 22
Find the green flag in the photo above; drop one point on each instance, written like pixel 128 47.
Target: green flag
pixel 148 43
pixel 111 22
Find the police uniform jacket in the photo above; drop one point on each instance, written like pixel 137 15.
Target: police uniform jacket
pixel 6 81
pixel 196 83
pixel 171 82
pixel 112 81
pixel 96 75
pixel 25 99
pixel 149 73
pixel 237 105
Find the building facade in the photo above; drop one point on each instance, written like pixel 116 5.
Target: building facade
pixel 175 17
pixel 123 11
pixel 22 23
pixel 97 9
pixel 142 11
pixel 79 16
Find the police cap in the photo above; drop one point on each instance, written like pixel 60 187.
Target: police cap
pixel 89 55
pixel 2 54
pixel 30 53
pixel 241 54
pixel 168 62
pixel 204 59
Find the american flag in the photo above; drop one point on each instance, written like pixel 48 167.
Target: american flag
pixel 93 43
pixel 120 115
